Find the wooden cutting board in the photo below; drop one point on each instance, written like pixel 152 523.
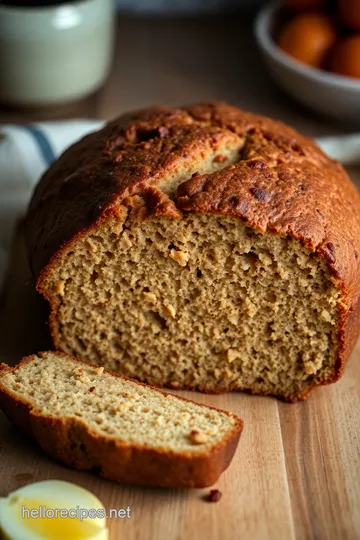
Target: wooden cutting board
pixel 296 473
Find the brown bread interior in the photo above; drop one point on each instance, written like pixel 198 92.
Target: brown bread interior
pixel 201 302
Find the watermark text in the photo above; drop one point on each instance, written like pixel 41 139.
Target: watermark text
pixel 43 512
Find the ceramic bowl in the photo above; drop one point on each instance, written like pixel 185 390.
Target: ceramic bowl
pixel 330 94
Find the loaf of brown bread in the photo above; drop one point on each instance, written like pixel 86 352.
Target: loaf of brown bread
pixel 89 418
pixel 202 248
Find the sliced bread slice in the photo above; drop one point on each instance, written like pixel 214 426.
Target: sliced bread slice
pixel 89 418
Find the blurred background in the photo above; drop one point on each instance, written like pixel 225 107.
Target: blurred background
pixel 186 6
pixel 96 58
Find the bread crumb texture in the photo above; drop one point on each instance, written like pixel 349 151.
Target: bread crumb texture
pixel 114 407
pixel 210 324
pixel 201 248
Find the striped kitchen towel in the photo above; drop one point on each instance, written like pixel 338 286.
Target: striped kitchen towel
pixel 26 151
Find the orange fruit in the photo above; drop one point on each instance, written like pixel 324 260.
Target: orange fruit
pixel 308 37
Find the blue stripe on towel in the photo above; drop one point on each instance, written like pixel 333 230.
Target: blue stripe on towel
pixel 43 143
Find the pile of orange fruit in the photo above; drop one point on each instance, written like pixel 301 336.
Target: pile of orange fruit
pixel 324 34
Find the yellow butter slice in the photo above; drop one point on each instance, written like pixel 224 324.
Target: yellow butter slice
pixel 40 511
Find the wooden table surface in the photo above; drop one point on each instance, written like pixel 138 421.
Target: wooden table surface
pixel 296 473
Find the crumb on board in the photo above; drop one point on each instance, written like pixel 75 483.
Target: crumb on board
pixel 214 495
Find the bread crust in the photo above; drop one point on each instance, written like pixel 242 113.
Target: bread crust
pixel 283 184
pixel 71 442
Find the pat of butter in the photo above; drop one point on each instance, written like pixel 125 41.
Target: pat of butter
pixel 52 510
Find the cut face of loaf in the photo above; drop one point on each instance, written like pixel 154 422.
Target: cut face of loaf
pixel 89 418
pixel 203 248
pixel 202 302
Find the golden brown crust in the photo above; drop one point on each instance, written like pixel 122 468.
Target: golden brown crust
pixel 69 441
pixel 282 184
